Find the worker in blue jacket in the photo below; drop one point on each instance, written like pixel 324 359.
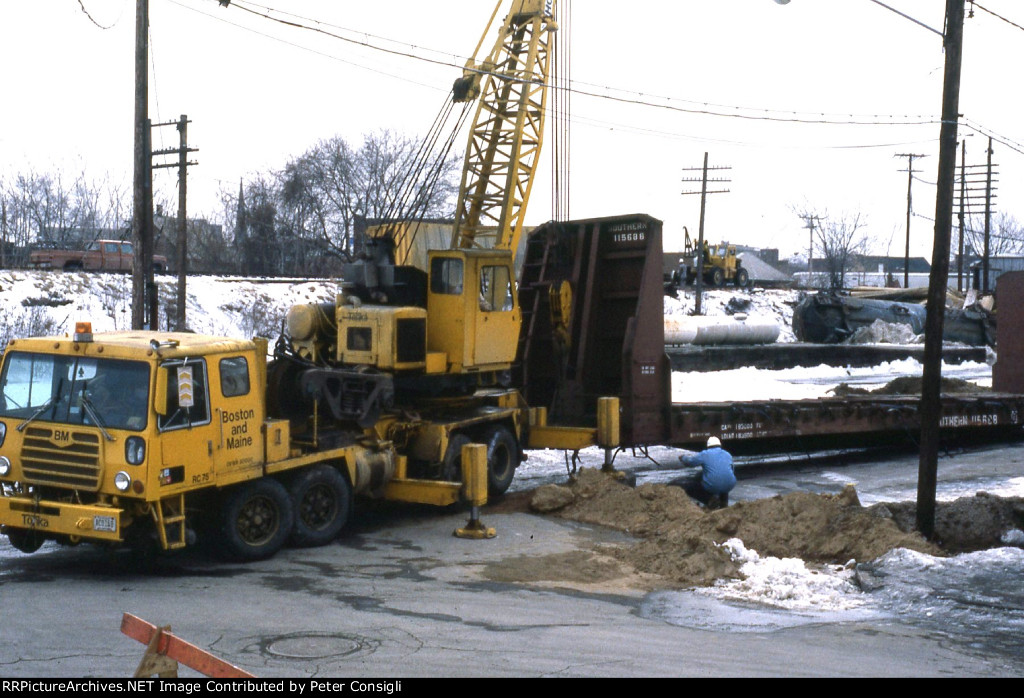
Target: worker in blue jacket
pixel 717 476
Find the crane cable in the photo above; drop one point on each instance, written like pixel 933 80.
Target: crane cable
pixel 561 113
pixel 420 181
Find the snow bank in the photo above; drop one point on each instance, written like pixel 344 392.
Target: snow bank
pixel 787 582
pixel 34 303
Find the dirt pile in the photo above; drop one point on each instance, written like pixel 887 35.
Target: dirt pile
pixel 680 543
pixel 910 385
pixel 966 524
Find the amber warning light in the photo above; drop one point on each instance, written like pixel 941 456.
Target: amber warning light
pixel 83 331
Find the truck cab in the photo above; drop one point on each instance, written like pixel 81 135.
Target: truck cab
pixel 95 436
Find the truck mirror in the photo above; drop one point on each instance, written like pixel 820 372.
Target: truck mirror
pixel 160 394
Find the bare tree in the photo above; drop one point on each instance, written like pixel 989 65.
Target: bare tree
pixel 50 208
pixel 326 188
pixel 839 240
pixel 1006 235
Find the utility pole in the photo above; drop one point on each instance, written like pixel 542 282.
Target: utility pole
pixel 142 184
pixel 988 217
pixel 910 180
pixel 977 187
pixel 931 407
pixel 960 217
pixel 809 224
pixel 699 281
pixel 182 164
pixel 3 233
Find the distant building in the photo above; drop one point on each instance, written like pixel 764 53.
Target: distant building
pixel 997 266
pixel 198 231
pixel 890 265
pixel 870 270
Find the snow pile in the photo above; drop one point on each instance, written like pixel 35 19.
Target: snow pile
pixel 34 303
pixel 882 332
pixel 799 383
pixel 786 582
pixel 758 304
pixel 1014 536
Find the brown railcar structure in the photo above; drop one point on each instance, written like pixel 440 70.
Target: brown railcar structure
pixel 610 341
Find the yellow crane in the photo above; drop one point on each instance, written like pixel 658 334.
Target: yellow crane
pixel 400 330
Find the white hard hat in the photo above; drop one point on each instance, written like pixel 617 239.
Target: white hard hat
pixel 713 441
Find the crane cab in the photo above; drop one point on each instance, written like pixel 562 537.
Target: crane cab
pixel 473 314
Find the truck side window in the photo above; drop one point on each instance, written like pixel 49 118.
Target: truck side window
pixel 446 276
pixel 188 395
pixel 234 376
pixel 495 289
pixel 111 247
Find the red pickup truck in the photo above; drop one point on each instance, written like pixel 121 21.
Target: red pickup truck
pixel 102 255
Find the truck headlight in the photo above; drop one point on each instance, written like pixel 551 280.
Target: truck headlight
pixel 3 432
pixel 122 481
pixel 5 466
pixel 135 450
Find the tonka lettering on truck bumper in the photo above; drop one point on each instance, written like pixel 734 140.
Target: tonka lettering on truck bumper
pixel 61 519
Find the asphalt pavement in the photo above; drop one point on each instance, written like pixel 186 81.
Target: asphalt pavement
pixel 399 596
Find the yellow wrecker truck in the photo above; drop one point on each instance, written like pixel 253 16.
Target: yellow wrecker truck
pixel 140 436
pixel 144 437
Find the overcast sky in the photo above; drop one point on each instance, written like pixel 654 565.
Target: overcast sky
pixel 748 81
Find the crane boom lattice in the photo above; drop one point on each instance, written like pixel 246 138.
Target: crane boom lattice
pixel 508 130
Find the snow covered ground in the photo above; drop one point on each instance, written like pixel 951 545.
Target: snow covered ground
pixel 39 303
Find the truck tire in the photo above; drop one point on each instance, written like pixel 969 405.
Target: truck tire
pixel 256 520
pixel 742 278
pixel 25 540
pixel 322 501
pixel 502 459
pixel 717 277
pixel 451 468
pixel 73 266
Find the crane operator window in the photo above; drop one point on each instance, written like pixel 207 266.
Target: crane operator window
pixel 495 289
pixel 446 276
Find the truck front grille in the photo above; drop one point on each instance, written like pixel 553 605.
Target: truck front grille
pixel 61 457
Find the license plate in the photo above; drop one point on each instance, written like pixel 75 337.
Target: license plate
pixel 107 524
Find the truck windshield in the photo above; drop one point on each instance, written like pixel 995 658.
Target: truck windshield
pixel 75 390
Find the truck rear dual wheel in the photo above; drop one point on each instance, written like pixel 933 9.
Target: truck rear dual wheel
pixel 502 458
pixel 322 500
pixel 257 518
pixel 451 469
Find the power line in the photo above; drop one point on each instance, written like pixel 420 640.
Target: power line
pixel 1002 140
pixel 600 92
pixel 92 19
pixel 581 88
pixel 218 18
pixel 985 9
